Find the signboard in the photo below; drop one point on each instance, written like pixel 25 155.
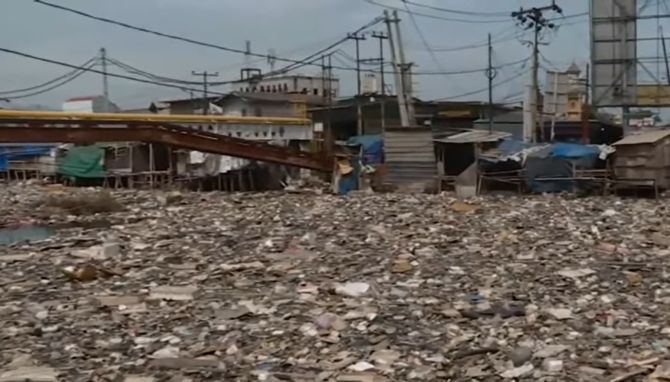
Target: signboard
pixel 653 95
pixel 556 91
pixel 456 113
pixel 614 52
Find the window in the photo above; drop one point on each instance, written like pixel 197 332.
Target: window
pixel 285 88
pixel 244 112
pixel 258 112
pixel 316 91
pixel 262 89
pixel 304 90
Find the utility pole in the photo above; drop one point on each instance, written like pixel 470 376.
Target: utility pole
pixel 381 36
pixel 534 18
pixel 205 76
pixel 398 71
pixel 665 56
pixel 491 73
pixel 406 72
pixel 105 85
pixel 329 139
pixel 586 109
pixel 359 112
pixel 358 39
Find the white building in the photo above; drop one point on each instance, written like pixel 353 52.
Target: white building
pixel 92 104
pixel 290 84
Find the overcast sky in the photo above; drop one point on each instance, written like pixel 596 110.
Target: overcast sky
pixel 293 28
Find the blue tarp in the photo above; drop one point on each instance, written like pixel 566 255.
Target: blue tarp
pixel 573 151
pixel 547 161
pixel 511 146
pixel 349 182
pixel 557 161
pixel 373 148
pixel 14 153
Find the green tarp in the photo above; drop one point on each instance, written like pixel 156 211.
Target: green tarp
pixel 83 162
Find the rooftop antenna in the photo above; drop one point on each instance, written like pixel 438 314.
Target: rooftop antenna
pixel 272 59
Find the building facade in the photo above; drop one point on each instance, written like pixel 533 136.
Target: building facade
pixel 576 94
pixel 290 84
pixel 92 104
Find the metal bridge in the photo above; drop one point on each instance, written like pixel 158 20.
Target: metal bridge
pixel 192 132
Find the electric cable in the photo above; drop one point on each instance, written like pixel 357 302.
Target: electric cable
pixel 60 63
pixel 519 74
pixel 545 59
pixel 132 70
pixel 438 65
pixel 300 63
pixel 437 62
pixel 64 76
pixel 373 2
pixel 458 12
pixel 50 88
pixel 201 43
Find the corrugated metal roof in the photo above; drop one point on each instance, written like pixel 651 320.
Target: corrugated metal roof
pixel 83 98
pixel 475 136
pixel 643 138
pixel 277 97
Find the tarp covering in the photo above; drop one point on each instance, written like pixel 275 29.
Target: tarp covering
pixel 349 172
pixel 518 151
pixel 17 153
pixel 573 151
pixel 83 162
pixel 373 148
pixel 508 149
pixel 557 160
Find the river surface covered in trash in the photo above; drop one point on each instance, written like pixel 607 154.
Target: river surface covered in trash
pixel 24 234
pixel 304 286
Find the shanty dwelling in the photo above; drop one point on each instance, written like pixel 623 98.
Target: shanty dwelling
pixel 643 160
pixel 117 165
pixel 138 164
pixel 545 168
pixel 601 131
pixel 457 158
pixel 410 158
pixel 27 161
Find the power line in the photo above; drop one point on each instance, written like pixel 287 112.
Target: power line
pixel 500 39
pixel 551 64
pixel 91 70
pixel 133 70
pixel 373 2
pixel 50 88
pixel 64 76
pixel 519 74
pixel 437 62
pixel 458 12
pixel 300 63
pixel 196 42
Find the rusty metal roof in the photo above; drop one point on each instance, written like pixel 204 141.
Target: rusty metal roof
pixel 643 138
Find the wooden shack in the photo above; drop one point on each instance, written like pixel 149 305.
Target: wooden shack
pixel 644 159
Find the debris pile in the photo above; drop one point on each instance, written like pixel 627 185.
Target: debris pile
pixel 303 287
